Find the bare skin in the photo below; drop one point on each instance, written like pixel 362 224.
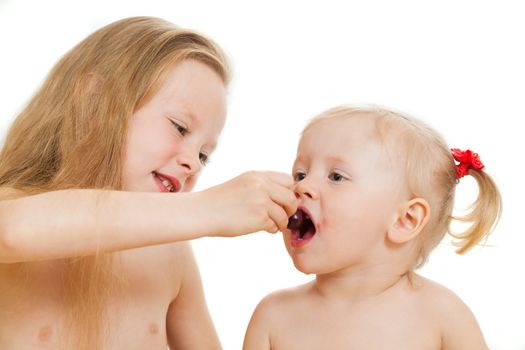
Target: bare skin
pixel 145 228
pixel 146 315
pixel 163 300
pixel 421 315
pixel 87 220
pixel 361 243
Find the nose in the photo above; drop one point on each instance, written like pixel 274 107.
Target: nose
pixel 305 189
pixel 190 162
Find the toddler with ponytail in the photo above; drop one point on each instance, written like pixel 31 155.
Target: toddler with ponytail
pixel 376 195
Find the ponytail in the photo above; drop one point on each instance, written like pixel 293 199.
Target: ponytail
pixel 483 214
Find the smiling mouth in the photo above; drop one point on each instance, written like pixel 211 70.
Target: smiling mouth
pixel 166 184
pixel 302 227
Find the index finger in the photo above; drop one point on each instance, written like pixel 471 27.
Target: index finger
pixel 280 178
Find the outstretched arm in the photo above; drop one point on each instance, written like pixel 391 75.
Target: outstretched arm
pixel 68 223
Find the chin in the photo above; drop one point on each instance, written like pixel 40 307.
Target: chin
pixel 306 267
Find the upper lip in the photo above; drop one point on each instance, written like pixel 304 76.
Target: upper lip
pixel 173 181
pixel 307 213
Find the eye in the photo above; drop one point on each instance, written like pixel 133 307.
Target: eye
pixel 336 177
pixel 204 159
pixel 298 176
pixel 181 129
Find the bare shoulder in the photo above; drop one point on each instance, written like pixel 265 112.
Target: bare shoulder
pixel 457 324
pixel 180 258
pixel 281 306
pixel 10 193
pixel 180 251
pixel 437 298
pixel 274 312
pixel 184 265
pixel 162 269
pixel 175 257
pixel 284 299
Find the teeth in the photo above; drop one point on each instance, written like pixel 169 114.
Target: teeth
pixel 168 185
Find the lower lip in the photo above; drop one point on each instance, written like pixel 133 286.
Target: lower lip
pixel 159 183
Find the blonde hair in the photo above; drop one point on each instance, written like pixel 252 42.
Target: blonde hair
pixel 72 132
pixel 430 173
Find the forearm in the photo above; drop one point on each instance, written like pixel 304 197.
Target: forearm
pixel 69 223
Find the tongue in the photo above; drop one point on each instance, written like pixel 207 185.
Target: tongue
pixel 307 235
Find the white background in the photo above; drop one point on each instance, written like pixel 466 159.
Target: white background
pixel 459 65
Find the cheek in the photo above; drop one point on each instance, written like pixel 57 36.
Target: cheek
pixel 163 146
pixel 129 166
pixel 335 212
pixel 150 139
pixel 190 183
pixel 286 241
pixel 349 218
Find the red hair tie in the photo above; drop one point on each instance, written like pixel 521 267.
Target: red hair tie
pixel 467 160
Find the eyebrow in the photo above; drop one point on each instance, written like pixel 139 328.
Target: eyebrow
pixel 338 159
pixel 299 158
pixel 181 111
pixel 190 115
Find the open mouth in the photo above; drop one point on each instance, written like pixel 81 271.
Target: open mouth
pixel 302 227
pixel 166 183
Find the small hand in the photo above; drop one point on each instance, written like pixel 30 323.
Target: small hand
pixel 251 202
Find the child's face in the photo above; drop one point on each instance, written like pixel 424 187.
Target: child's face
pixel 171 136
pixel 351 189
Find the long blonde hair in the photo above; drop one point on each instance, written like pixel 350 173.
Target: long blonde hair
pixel 72 132
pixel 430 173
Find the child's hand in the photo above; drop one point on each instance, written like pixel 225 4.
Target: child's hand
pixel 251 202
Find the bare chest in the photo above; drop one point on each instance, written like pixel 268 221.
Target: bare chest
pixel 383 327
pixel 35 302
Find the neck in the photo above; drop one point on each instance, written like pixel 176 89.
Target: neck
pixel 360 283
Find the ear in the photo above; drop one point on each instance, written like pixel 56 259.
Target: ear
pixel 411 220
